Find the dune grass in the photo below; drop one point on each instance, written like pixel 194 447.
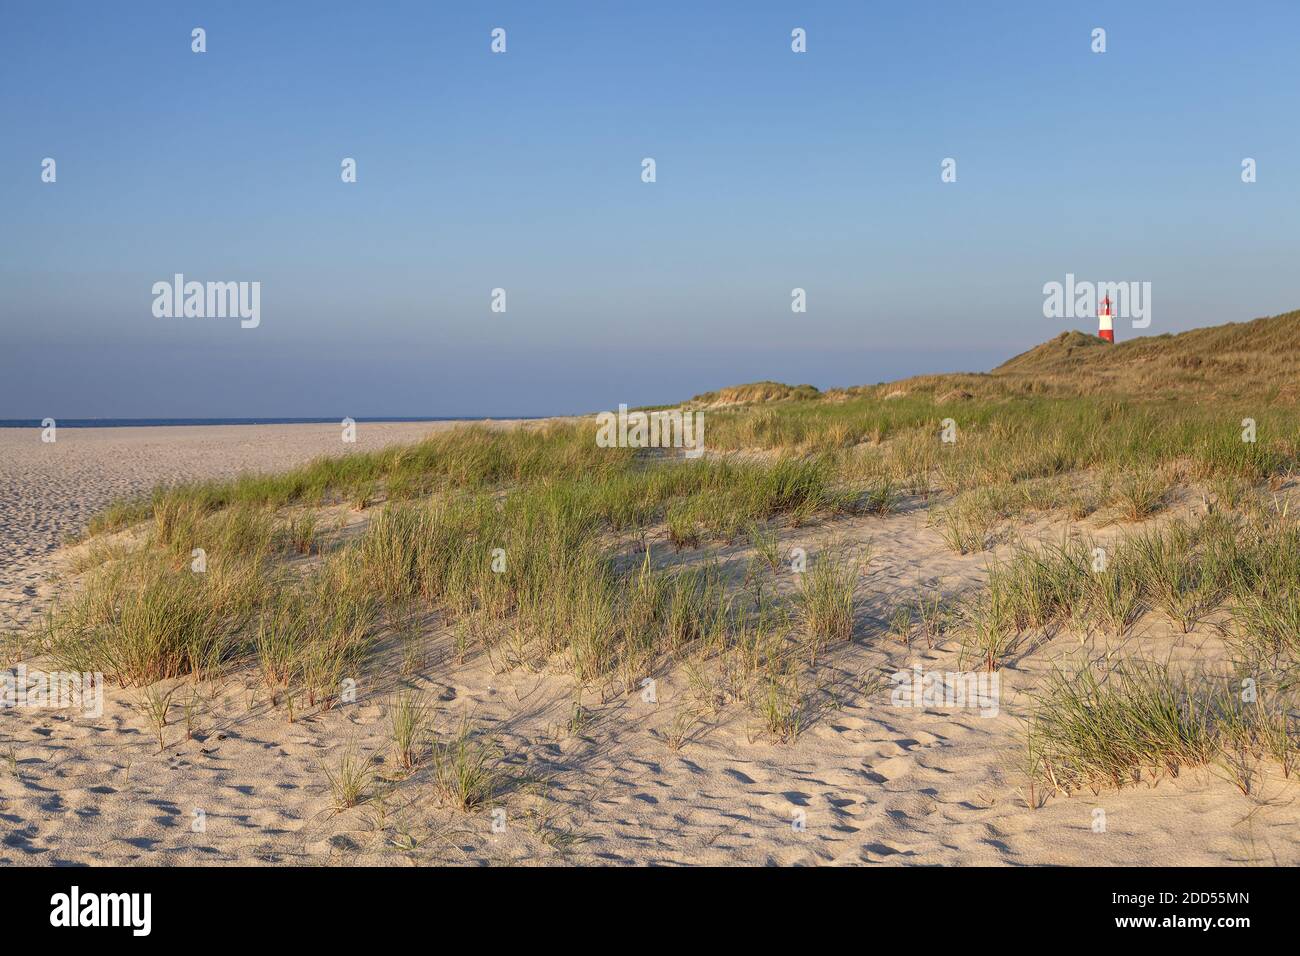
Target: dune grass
pixel 466 769
pixel 533 562
pixel 410 715
pixel 518 540
pixel 825 599
pixel 349 780
pixel 468 457
pixel 139 621
pixel 1094 727
pixel 1246 565
pixel 1091 730
pixel 1015 439
pixel 547 500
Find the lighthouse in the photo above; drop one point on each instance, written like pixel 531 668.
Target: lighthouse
pixel 1105 315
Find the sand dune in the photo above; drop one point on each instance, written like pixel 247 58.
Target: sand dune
pixel 49 491
pixel 677 780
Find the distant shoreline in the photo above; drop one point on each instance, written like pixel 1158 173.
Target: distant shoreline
pixel 162 422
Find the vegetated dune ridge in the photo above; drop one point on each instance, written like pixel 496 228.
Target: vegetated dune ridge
pixel 48 492
pixel 1257 359
pixel 694 662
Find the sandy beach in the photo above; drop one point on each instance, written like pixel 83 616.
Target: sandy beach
pixel 860 448
pixel 589 775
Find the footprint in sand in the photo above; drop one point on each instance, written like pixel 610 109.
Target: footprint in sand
pixel 893 767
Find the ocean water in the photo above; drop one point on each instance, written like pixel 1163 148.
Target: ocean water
pixel 140 422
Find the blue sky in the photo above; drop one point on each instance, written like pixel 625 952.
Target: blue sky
pixel 775 170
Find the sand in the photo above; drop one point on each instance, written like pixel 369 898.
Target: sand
pixel 590 778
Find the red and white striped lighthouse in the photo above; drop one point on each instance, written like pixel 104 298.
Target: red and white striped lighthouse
pixel 1105 315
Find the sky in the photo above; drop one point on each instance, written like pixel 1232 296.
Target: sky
pixel 522 171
